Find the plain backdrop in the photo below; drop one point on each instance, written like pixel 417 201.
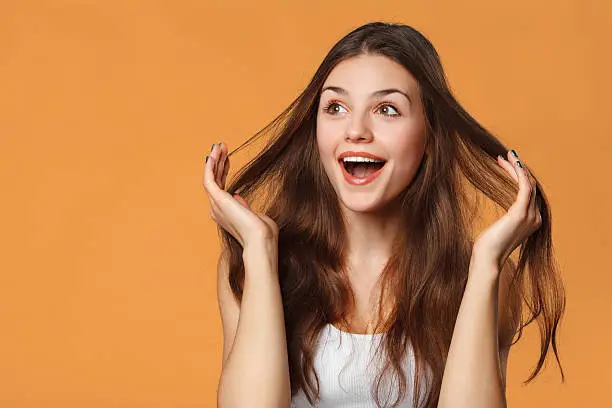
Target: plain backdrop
pixel 108 108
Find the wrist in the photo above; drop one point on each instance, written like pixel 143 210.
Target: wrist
pixel 264 248
pixel 483 268
pixel 483 254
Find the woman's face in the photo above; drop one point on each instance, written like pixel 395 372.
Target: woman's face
pixel 352 116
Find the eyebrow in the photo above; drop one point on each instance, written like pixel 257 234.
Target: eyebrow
pixel 382 92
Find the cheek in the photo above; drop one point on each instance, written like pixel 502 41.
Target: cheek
pixel 409 150
pixel 407 154
pixel 407 140
pixel 325 141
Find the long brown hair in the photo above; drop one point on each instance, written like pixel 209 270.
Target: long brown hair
pixel 427 271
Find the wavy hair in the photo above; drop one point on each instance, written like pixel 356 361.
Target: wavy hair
pixel 425 277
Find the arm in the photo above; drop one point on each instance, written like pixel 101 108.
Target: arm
pixel 510 310
pixel 473 375
pixel 255 369
pixel 475 371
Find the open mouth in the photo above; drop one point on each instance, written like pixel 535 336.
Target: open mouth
pixel 361 169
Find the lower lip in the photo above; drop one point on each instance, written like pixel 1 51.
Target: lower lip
pixel 359 181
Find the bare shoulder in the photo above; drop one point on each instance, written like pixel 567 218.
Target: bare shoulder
pixel 229 307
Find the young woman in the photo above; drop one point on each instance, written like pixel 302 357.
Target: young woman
pixel 355 223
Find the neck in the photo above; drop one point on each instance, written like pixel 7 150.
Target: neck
pixel 370 236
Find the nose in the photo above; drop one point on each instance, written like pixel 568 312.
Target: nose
pixel 358 129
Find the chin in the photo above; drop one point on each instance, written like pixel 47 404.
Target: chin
pixel 364 204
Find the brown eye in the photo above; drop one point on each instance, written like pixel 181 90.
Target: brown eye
pixel 329 107
pixel 387 106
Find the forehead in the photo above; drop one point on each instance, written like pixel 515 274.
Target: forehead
pixel 365 73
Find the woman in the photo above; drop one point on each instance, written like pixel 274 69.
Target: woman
pixel 355 222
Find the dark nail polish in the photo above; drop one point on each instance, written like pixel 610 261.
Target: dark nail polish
pixel 514 153
pixel 206 159
pixel 519 164
pixel 213 146
pixel 220 144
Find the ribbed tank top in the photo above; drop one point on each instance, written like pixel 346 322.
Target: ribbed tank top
pixel 347 372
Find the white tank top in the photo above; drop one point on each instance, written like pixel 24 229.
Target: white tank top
pixel 347 372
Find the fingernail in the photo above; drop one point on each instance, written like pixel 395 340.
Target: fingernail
pixel 519 164
pixel 220 144
pixel 213 146
pixel 514 153
pixel 206 159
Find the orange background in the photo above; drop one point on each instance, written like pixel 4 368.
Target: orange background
pixel 108 108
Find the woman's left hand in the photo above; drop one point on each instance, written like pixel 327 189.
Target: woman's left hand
pixel 497 241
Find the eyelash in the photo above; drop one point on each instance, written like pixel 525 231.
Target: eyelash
pixel 326 109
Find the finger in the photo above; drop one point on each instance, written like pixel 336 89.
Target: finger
pixel 225 171
pixel 532 183
pixel 506 165
pixel 525 187
pixel 210 184
pixel 534 187
pixel 221 164
pixel 534 209
pixel 535 205
pixel 216 154
pixel 218 196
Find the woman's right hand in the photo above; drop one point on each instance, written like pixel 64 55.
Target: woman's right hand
pixel 232 213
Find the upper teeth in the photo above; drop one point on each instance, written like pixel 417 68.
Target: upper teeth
pixel 361 159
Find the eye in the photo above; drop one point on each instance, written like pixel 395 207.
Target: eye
pixel 389 106
pixel 331 105
pixel 326 109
